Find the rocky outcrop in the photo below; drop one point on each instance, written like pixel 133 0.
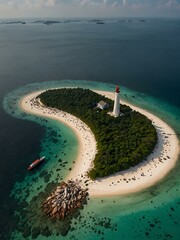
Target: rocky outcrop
pixel 65 200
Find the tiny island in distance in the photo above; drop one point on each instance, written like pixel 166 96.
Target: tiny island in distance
pixel 124 138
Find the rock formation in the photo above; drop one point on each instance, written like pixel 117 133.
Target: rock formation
pixel 64 200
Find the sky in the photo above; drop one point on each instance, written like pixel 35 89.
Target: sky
pixel 89 8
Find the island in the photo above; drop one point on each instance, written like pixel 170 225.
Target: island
pixel 122 142
pixel 163 150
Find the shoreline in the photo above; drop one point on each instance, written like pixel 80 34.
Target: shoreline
pixel 157 165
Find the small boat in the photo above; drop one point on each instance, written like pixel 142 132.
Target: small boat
pixel 35 163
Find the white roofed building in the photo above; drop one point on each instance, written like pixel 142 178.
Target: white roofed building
pixel 102 105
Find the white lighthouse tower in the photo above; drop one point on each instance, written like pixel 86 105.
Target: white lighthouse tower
pixel 116 109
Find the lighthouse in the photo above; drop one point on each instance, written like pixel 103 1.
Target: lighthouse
pixel 116 109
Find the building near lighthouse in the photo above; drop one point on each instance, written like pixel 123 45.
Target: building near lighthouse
pixel 102 105
pixel 116 108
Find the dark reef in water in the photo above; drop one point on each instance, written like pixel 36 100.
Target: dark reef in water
pixel 30 220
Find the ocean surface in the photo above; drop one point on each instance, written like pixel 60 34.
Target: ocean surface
pixel 143 58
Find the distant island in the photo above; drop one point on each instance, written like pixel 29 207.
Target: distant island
pixel 99 22
pixel 122 142
pixel 49 22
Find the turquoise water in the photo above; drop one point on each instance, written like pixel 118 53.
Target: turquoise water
pixel 64 149
pixel 151 214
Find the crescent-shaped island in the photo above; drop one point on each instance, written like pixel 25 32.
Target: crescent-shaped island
pixel 155 167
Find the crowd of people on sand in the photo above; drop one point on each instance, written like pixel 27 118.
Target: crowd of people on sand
pixel 157 164
pixel 87 152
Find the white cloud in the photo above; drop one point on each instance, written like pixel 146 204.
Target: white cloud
pixel 90 7
pixel 173 4
pixel 168 5
pixel 125 2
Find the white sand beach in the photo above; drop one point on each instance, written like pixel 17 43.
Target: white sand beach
pixel 157 165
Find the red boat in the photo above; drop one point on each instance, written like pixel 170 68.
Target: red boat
pixel 35 163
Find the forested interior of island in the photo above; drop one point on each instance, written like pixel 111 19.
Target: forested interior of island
pixel 122 142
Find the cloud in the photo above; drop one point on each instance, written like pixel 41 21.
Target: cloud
pixel 131 4
pixel 31 3
pixel 125 2
pixel 107 3
pixel 39 3
pixel 173 4
pixel 91 7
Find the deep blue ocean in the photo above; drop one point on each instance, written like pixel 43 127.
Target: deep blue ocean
pixel 143 58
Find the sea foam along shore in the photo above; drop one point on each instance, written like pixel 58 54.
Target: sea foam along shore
pixel 135 179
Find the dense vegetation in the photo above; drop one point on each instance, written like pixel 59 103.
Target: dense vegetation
pixel 122 142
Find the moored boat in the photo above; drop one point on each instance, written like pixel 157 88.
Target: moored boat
pixel 35 163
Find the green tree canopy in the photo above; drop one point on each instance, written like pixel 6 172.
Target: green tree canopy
pixel 122 142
